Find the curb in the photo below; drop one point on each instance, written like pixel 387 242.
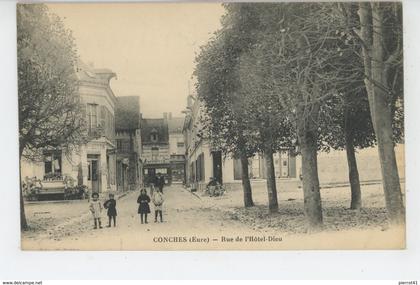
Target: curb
pixel 192 193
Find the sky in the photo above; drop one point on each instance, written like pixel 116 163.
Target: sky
pixel 150 46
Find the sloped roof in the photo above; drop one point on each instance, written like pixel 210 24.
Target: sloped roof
pixel 86 73
pixel 160 126
pixel 127 113
pixel 175 125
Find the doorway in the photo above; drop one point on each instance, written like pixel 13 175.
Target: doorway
pixel 94 173
pixel 149 175
pixel 217 166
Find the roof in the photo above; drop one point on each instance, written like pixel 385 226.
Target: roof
pixel 175 125
pixel 95 75
pixel 149 126
pixel 127 113
pixel 87 75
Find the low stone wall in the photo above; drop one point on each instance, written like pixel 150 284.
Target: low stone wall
pixel 289 185
pixel 283 185
pixel 332 167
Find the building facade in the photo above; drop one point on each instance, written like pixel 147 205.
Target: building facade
pixel 155 149
pixel 203 161
pixel 176 148
pixel 128 142
pixel 92 164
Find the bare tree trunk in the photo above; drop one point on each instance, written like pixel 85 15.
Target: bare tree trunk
pixel 246 184
pixel 308 141
pixel 23 222
pixel 377 73
pixel 310 180
pixel 273 205
pixel 356 194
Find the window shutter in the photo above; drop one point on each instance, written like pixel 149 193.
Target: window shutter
pixel 237 169
pixel 86 109
pixel 102 118
pixel 203 177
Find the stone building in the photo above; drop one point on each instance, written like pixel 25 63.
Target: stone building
pixel 128 142
pixel 176 148
pixel 155 149
pixel 203 161
pixel 93 164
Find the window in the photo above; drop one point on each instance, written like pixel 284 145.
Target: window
pixel 92 113
pixel 126 145
pixel 154 135
pixel 180 144
pixel 161 170
pixel 112 125
pixel 52 164
pixel 123 145
pixel 237 169
pixel 155 153
pixel 200 171
pixel 102 122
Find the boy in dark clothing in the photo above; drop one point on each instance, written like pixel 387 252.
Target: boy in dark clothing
pixel 111 205
pixel 143 200
pixel 160 182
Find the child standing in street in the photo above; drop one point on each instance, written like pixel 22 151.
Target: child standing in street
pixel 111 205
pixel 158 202
pixel 96 209
pixel 143 200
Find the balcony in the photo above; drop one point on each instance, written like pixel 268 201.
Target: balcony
pixel 96 133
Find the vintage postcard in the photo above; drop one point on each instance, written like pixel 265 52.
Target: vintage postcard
pixel 211 126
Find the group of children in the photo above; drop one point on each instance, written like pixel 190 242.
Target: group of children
pixel 95 208
pixel 143 200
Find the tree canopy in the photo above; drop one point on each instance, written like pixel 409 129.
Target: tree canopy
pixel 50 113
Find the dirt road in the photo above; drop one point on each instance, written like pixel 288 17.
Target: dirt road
pixel 194 222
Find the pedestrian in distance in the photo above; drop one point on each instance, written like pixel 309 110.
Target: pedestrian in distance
pixel 152 188
pixel 95 208
pixel 158 200
pixel 211 186
pixel 160 182
pixel 111 205
pixel 143 200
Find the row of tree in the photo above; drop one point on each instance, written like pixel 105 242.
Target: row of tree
pixel 309 77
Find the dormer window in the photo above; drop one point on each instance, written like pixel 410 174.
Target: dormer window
pixel 154 135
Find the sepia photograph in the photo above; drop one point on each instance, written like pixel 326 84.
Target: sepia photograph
pixel 211 126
